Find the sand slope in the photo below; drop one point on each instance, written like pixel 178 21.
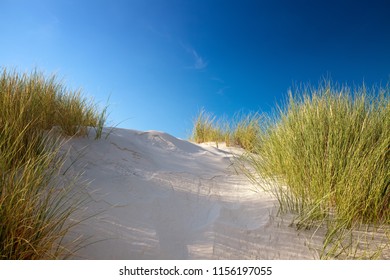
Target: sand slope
pixel 154 196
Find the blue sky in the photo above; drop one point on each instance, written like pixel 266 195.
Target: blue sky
pixel 160 62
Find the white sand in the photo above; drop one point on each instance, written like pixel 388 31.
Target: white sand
pixel 154 196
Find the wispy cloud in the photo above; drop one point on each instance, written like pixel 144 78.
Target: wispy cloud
pixel 199 62
pixel 221 91
pixel 222 87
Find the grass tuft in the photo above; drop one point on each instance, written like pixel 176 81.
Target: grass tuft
pixel 242 132
pixel 246 131
pixel 326 157
pixel 34 204
pixel 206 129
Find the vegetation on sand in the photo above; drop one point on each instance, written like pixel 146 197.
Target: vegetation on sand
pixel 34 203
pixel 243 132
pixel 326 157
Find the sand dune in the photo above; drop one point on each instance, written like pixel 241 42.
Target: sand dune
pixel 154 196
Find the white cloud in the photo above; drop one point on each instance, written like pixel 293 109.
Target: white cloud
pixel 199 62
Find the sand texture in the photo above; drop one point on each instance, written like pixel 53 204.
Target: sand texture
pixel 153 196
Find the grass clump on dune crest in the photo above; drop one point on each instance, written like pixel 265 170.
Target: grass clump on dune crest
pixel 34 206
pixel 326 157
pixel 207 129
pixel 242 132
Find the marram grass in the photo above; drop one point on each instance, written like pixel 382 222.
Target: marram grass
pixel 208 129
pixel 35 206
pixel 246 131
pixel 326 157
pixel 243 131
